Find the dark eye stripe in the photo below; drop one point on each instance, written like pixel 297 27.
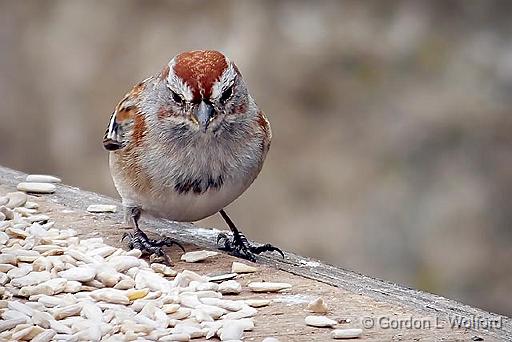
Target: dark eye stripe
pixel 178 99
pixel 226 94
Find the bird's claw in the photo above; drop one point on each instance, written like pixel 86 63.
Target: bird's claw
pixel 240 247
pixel 139 240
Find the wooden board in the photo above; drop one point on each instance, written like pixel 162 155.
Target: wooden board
pixel 397 313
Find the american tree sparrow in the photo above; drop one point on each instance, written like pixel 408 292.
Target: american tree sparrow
pixel 186 143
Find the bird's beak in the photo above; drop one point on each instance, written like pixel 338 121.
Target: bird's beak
pixel 204 113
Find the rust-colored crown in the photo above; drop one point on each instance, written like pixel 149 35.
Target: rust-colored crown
pixel 199 70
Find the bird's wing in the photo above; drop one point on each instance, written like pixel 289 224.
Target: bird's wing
pixel 267 131
pixel 122 120
pixel 113 139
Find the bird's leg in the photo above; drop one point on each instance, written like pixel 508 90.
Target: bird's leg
pixel 238 245
pixel 139 240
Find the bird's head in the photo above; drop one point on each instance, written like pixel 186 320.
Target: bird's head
pixel 202 90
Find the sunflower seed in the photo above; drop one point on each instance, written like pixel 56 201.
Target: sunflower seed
pixel 230 305
pixel 70 310
pixel 31 205
pixel 257 303
pixel 6 268
pixel 170 308
pixel 37 188
pixel 189 301
pixel 20 307
pixel 318 306
pixel 137 294
pixel 82 273
pixel 44 336
pixel 213 311
pixel 230 287
pixel 110 296
pixel 60 328
pixel 12 314
pixel 268 286
pixel 42 318
pixel 27 333
pixel 320 321
pixel 42 179
pixel 164 269
pixel 152 281
pixel 38 218
pixel 125 284
pixel 42 264
pixel 3 238
pixel 123 263
pixel 17 233
pixel 72 286
pixel 238 267
pixel 109 278
pixel 16 199
pixel 197 256
pixel 32 278
pixel 181 313
pixel 50 301
pixel 102 208
pixel 176 337
pixel 91 311
pixel 103 251
pixel 222 277
pixel 7 213
pixel 232 330
pixel 245 312
pixel 346 333
pixel 203 286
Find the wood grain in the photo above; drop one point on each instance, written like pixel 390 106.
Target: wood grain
pixel 350 296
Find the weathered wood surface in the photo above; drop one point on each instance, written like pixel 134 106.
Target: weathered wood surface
pixel 350 295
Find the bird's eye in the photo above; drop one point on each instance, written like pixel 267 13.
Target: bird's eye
pixel 178 99
pixel 226 94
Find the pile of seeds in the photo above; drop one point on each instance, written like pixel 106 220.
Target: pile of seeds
pixel 55 286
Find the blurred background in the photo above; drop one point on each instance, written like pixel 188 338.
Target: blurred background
pixel 392 121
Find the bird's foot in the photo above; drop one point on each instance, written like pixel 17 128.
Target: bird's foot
pixel 139 240
pixel 240 247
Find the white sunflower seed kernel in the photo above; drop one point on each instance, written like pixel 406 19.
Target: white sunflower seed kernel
pixel 238 267
pixel 42 179
pixel 37 188
pixel 346 333
pixel 102 208
pixel 197 256
pixel 320 321
pixel 268 286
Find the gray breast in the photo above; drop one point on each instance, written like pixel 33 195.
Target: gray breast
pixel 197 163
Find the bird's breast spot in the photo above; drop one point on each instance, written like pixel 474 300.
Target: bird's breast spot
pixel 198 185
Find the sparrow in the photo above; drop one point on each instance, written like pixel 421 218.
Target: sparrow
pixel 185 143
